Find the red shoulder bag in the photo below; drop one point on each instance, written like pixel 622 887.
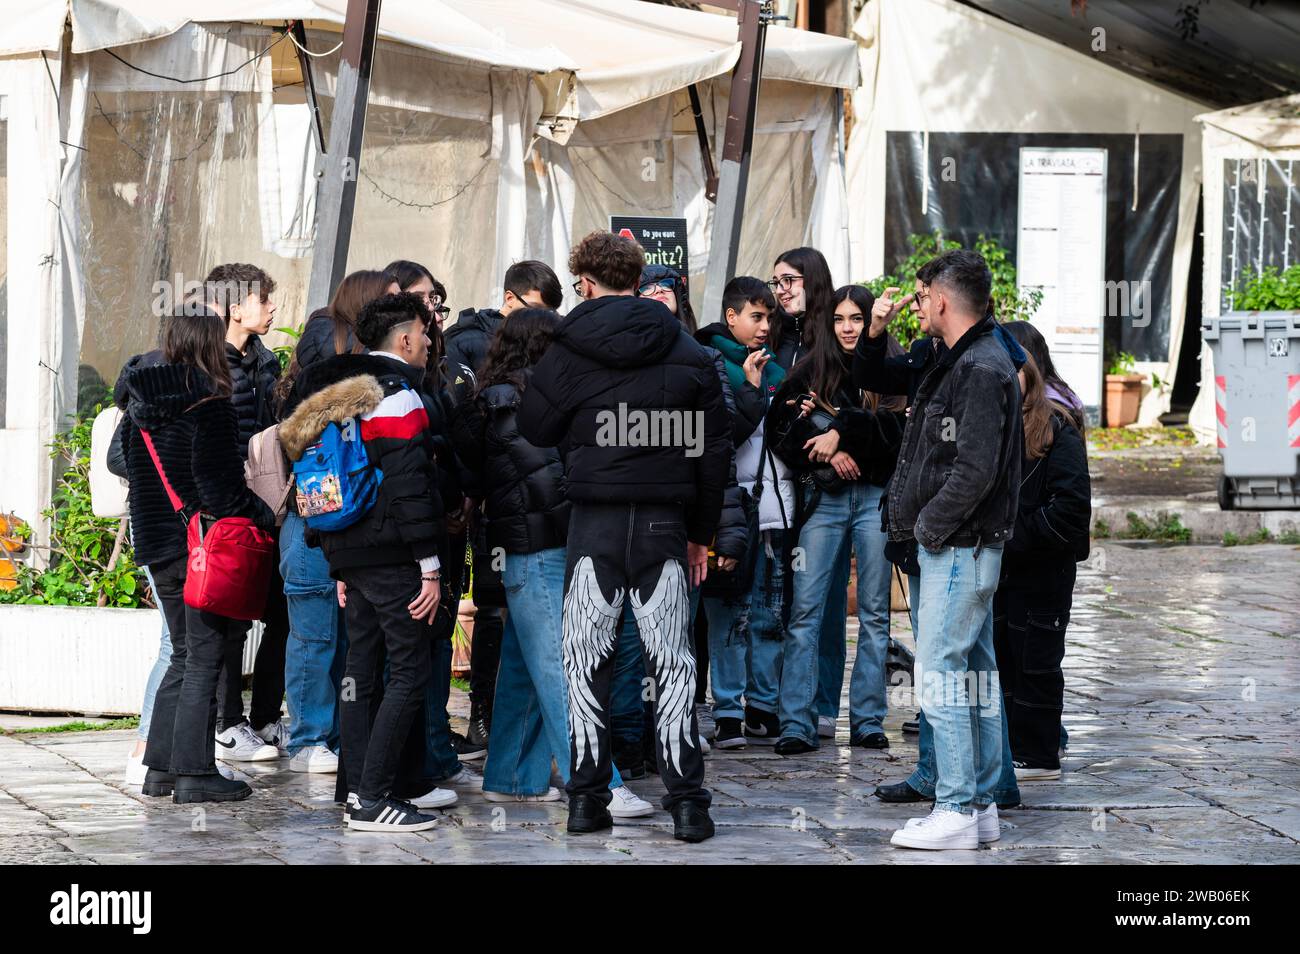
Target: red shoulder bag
pixel 230 563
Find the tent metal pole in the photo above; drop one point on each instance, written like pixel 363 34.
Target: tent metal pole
pixel 308 82
pixel 706 151
pixel 336 173
pixel 733 179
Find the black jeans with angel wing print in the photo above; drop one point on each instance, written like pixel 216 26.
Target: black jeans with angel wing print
pixel 633 552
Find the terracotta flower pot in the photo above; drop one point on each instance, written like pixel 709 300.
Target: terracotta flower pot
pixel 1123 397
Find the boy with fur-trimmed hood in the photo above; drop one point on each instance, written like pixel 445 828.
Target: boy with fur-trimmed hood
pixel 386 563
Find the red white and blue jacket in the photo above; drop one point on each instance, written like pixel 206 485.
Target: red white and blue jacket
pixel 407 522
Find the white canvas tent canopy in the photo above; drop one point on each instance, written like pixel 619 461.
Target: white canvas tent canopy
pixel 148 140
pixel 938 68
pixel 1251 157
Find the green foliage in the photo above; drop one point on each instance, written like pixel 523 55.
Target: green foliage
pixel 1167 528
pixel 284 352
pixel 1010 304
pixel 128 722
pixel 1268 290
pixel 1262 535
pixel 1120 362
pixel 1101 530
pixel 81 544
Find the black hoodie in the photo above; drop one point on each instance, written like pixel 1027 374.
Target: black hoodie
pixel 197 442
pixel 617 362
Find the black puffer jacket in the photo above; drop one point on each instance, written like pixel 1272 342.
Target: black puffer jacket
pixel 253 373
pixel 406 523
pixel 1055 505
pixel 197 444
pixel 616 361
pixel 468 339
pixel 316 343
pixel 524 506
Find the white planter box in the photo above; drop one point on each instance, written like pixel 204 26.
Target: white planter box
pixel 81 659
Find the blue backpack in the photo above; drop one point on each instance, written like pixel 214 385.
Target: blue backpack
pixel 336 483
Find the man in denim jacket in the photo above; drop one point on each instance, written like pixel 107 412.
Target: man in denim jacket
pixel 955 492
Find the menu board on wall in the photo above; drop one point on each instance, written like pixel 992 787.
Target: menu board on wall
pixel 1061 251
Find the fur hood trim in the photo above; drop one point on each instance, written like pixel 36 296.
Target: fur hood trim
pixel 338 402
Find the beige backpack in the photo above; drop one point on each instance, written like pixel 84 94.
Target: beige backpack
pixel 267 471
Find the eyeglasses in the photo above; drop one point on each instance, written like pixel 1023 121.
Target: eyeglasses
pixel 667 284
pixel 785 282
pixel 919 297
pixel 577 288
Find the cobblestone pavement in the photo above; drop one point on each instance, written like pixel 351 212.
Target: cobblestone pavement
pixel 1182 674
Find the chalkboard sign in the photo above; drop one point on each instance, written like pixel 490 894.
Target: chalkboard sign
pixel 664 239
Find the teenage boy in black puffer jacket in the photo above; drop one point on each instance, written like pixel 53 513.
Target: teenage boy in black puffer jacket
pixel 637 406
pixel 387 562
pixel 242 294
pixel 527 284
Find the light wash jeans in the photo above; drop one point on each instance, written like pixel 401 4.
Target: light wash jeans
pixel 728 650
pixel 832 647
pixel 766 644
pixel 316 650
pixel 848 518
pixel 955 656
pixel 159 668
pixel 530 714
pixel 922 777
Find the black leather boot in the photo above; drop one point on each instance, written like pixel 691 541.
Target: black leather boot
pixel 209 788
pixel 587 815
pixel 691 822
pixel 158 783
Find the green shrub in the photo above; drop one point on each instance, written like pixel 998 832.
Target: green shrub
pixel 1167 528
pixel 1008 301
pixel 1268 290
pixel 81 544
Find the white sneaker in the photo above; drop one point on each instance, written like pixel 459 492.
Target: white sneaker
pixel 939 830
pixel 704 718
pixel 241 744
pixel 1026 774
pixel 986 821
pixel 552 794
pixel 135 769
pixel 435 798
pixel 467 779
pixel 626 804
pixel 825 727
pixel 277 734
pixel 316 759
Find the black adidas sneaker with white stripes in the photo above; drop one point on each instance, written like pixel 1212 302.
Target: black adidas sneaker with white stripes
pixel 385 814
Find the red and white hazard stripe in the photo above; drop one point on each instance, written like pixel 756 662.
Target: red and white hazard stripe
pixel 1221 408
pixel 1293 409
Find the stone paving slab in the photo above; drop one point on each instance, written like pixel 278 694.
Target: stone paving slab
pixel 1181 702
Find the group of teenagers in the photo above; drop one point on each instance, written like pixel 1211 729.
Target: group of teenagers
pixel 637 600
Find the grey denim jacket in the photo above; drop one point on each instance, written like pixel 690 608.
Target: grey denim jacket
pixel 958 474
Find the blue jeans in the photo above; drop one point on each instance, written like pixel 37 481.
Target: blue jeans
pixel 530 714
pixel 766 648
pixel 316 650
pixel 849 518
pixel 957 673
pixel 159 668
pixel 728 649
pixel 922 777
pixel 831 647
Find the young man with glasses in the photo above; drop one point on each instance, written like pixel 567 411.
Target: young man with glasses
pixel 954 497
pixel 644 511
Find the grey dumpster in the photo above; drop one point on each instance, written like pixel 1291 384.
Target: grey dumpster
pixel 1257 406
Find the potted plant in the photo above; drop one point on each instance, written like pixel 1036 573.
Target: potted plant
pixel 1123 390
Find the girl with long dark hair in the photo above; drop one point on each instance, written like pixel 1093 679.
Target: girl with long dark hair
pixel 846 468
pixel 801 281
pixel 1054 387
pixel 527 518
pixel 182 406
pixel 1031 608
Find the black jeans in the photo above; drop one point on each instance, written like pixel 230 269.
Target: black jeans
pixel 182 734
pixel 268 667
pixel 1029 620
pixel 379 622
pixel 636 552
